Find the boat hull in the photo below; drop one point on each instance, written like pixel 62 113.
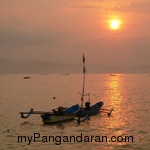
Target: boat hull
pixel 51 119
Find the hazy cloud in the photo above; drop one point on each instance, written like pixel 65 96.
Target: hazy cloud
pixel 134 7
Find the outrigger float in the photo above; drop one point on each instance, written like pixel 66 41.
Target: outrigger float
pixel 77 112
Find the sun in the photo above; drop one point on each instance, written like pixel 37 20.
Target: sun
pixel 114 24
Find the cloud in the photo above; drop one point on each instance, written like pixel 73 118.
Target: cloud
pixel 85 4
pixel 134 7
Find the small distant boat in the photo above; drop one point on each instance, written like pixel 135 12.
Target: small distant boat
pixel 66 74
pixel 112 74
pixel 27 77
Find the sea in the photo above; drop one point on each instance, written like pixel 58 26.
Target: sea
pixel 127 128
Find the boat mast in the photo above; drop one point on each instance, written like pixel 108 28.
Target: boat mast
pixel 84 71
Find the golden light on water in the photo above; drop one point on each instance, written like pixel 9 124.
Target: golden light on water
pixel 114 86
pixel 114 96
pixel 116 99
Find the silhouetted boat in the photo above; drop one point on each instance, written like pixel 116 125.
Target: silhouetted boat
pixel 65 74
pixel 27 77
pixel 112 74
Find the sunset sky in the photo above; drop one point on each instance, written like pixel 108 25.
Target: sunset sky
pixel 60 31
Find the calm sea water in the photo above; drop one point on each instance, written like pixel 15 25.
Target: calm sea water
pixel 129 95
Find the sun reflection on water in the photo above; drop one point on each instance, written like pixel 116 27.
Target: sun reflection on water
pixel 114 97
pixel 114 92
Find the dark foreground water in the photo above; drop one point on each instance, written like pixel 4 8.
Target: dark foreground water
pixel 129 95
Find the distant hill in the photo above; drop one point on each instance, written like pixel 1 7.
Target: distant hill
pixel 8 66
